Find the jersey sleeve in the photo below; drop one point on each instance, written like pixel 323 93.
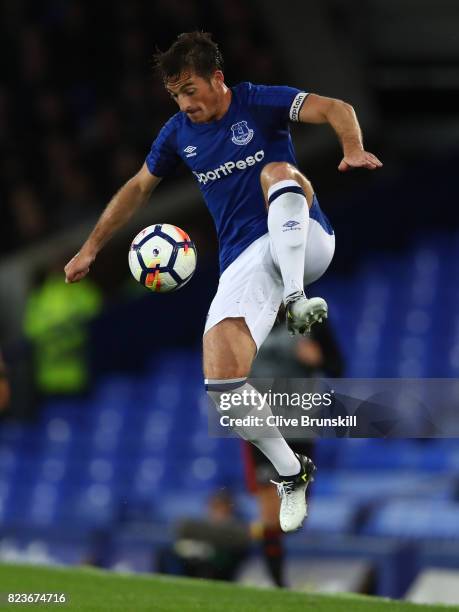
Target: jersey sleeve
pixel 283 102
pixel 163 159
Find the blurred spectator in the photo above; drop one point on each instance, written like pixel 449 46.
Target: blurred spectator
pixel 212 548
pixel 27 214
pixel 55 322
pixel 4 387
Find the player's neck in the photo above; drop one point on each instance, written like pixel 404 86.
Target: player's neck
pixel 225 103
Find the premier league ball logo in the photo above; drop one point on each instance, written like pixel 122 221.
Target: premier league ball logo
pixel 242 134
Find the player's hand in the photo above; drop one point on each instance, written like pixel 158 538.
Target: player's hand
pixel 359 159
pixel 78 267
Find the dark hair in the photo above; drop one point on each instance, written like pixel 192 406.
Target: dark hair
pixel 195 51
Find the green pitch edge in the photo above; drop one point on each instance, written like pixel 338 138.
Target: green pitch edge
pixel 97 590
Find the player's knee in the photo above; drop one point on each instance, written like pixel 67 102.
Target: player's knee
pixel 229 350
pixel 277 171
pixel 274 172
pixel 235 370
pixel 218 365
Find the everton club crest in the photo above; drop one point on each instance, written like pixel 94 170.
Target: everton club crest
pixel 242 134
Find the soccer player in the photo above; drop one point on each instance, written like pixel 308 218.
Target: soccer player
pixel 274 239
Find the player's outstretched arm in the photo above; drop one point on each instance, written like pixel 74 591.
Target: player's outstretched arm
pixel 341 116
pixel 119 210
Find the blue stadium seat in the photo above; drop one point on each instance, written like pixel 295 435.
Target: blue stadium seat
pixel 415 520
pixel 332 515
pixel 366 486
pixel 171 507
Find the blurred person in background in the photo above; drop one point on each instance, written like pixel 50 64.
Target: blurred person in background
pixel 212 547
pixel 27 215
pixel 5 392
pixel 56 324
pixel 316 355
pixel 274 238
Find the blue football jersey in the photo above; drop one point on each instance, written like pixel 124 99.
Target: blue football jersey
pixel 226 157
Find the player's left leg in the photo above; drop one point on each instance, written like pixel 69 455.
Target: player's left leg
pixel 289 196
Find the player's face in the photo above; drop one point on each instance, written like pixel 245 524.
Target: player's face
pixel 196 96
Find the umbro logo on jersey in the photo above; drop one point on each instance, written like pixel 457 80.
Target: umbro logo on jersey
pixel 190 151
pixel 242 134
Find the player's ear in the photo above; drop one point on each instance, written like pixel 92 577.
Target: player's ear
pixel 217 78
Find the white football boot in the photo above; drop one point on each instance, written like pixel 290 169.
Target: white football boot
pixel 302 313
pixel 292 491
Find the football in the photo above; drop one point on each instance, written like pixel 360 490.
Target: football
pixel 162 257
